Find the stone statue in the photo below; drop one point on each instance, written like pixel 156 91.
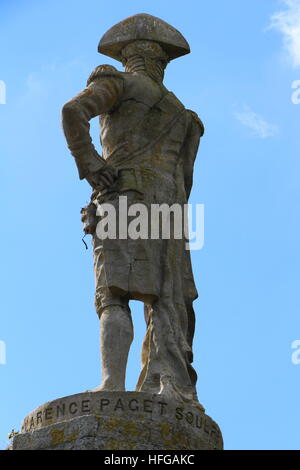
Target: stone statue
pixel 140 185
pixel 149 142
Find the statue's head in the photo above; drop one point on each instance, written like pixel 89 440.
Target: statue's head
pixel 144 41
pixel 145 56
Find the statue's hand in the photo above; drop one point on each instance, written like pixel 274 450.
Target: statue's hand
pixel 103 178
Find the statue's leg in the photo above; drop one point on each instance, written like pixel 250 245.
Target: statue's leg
pixel 116 329
pixel 149 379
pixel 165 359
pixel 116 335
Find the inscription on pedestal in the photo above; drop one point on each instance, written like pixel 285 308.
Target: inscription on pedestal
pixel 123 404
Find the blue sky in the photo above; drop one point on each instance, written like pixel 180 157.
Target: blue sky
pixel 245 57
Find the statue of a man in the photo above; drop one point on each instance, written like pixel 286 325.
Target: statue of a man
pixel 149 142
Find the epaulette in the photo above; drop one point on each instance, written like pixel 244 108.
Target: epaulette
pixel 104 71
pixel 198 121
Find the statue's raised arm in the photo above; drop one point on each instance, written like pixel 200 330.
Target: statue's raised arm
pixel 104 90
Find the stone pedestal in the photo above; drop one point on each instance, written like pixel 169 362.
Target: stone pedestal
pixel 117 421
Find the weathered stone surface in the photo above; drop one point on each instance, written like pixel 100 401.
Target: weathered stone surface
pixel 147 27
pixel 149 145
pixel 117 421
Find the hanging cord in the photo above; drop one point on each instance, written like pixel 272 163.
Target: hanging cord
pixel 86 246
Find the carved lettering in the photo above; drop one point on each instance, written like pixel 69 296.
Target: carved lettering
pixel 133 405
pixel 148 406
pixel 189 417
pixel 73 408
pixel 206 427
pixel 136 406
pixel 179 413
pixel 214 433
pixel 199 421
pixel 48 413
pixel 162 405
pixel 119 405
pixel 104 402
pixel 60 410
pixel 85 406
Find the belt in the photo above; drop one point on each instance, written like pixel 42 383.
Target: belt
pixel 128 179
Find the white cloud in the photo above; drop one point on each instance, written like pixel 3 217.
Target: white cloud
pixel 256 123
pixel 287 22
pixel 40 84
pixel 34 85
pixel 34 91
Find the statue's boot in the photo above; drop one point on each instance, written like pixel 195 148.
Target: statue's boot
pixel 116 335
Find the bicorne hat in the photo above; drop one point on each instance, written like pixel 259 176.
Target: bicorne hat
pixel 143 27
